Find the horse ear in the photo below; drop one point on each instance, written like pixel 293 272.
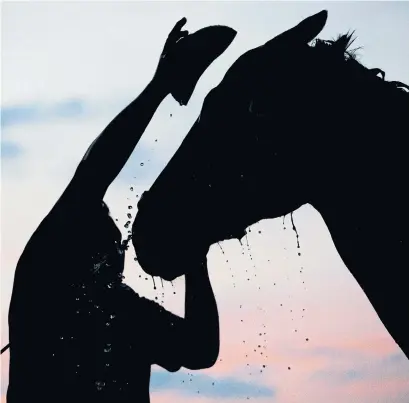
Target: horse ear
pixel 304 32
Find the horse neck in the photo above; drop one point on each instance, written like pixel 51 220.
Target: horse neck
pixel 361 164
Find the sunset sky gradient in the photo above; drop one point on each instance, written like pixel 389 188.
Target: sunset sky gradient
pixel 294 329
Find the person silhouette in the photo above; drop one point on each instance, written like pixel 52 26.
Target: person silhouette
pixel 77 331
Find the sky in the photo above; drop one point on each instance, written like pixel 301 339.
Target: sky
pixel 293 328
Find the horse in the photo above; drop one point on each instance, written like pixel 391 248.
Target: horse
pixel 298 120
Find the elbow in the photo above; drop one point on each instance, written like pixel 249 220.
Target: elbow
pixel 202 348
pixel 207 362
pixel 203 358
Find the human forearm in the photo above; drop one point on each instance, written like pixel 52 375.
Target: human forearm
pixel 202 317
pixel 108 154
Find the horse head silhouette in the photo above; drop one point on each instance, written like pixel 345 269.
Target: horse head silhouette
pixel 292 122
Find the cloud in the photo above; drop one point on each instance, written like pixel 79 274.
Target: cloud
pixel 68 128
pixel 221 387
pixel 10 149
pixel 18 114
pixel 37 112
pixel 338 376
pixel 37 127
pixel 392 366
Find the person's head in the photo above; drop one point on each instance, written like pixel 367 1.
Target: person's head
pixel 285 116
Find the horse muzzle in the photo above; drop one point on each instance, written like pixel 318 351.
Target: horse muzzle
pixel 167 244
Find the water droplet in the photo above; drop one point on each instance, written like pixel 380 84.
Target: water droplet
pixel 100 385
pixel 130 207
pixel 141 164
pixel 131 188
pixel 129 215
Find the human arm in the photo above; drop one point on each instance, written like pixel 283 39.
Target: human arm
pixel 101 163
pixel 192 341
pixel 110 151
pixel 202 335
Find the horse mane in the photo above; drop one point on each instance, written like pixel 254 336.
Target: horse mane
pixel 340 48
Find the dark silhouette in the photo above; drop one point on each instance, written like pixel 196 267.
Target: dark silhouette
pixel 292 122
pixel 77 332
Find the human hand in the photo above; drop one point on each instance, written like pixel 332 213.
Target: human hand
pixel 167 67
pixel 185 57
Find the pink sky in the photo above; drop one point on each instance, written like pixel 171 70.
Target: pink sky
pixel 349 356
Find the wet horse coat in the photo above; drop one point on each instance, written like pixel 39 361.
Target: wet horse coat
pixel 291 123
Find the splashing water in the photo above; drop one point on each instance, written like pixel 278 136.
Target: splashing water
pixel 174 292
pixel 163 292
pixel 251 258
pixel 100 385
pixel 296 232
pixel 227 261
